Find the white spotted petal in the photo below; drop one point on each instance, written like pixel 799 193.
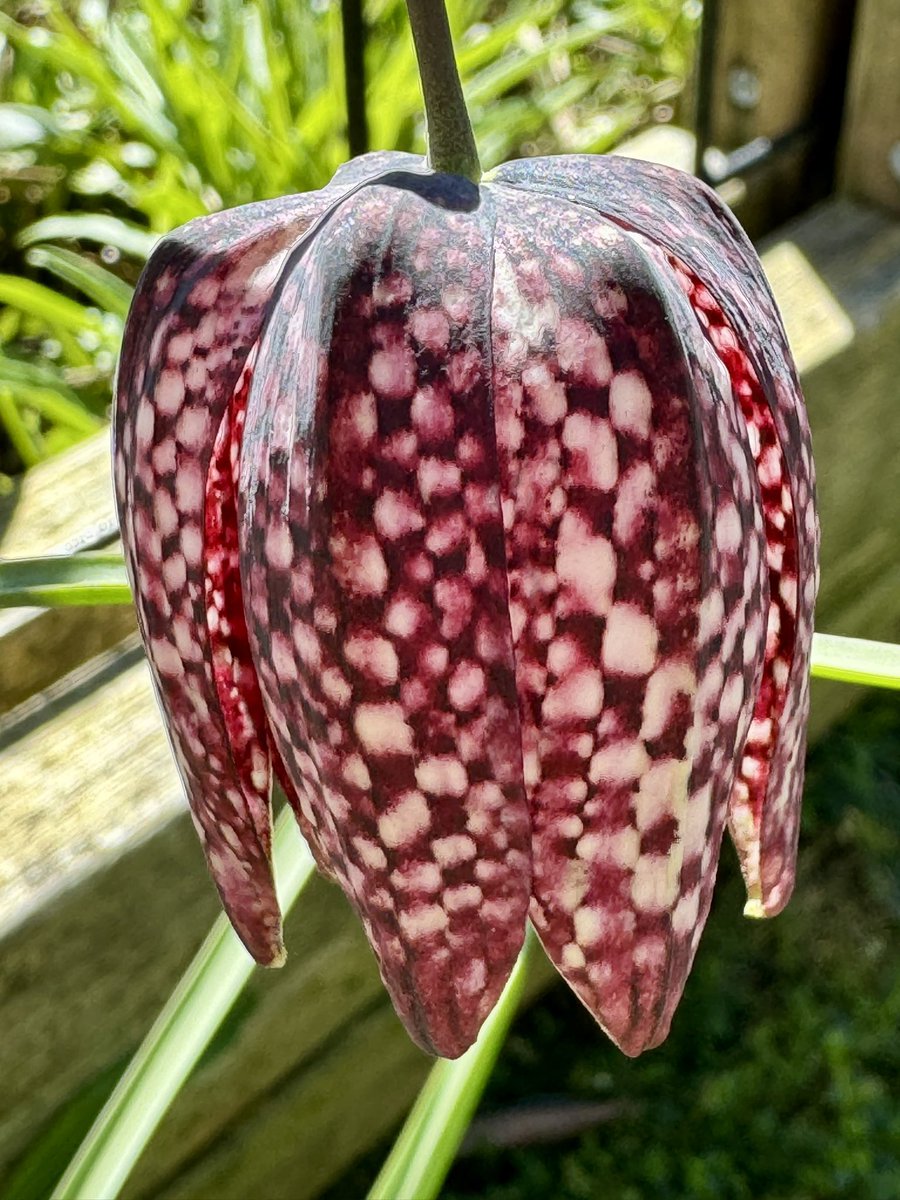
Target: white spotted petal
pixel 484 516
pixel 370 446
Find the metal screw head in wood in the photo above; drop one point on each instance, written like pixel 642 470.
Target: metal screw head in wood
pixel 744 88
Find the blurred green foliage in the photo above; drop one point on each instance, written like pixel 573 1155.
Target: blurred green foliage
pixel 119 121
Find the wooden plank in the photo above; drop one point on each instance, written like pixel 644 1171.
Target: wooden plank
pixel 772 62
pixel 296 1024
pixel 61 506
pixel 83 976
pixel 870 141
pixel 776 69
pixel 347 1102
pixel 103 900
pixel 85 777
pixel 38 646
pixel 69 791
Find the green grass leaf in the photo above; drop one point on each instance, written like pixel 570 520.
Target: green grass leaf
pixel 66 580
pixel 16 374
pixel 66 48
pixel 98 284
pixel 91 227
pixel 185 1027
pixel 26 443
pixel 500 77
pixel 58 409
pixel 855 660
pixel 48 306
pixel 496 37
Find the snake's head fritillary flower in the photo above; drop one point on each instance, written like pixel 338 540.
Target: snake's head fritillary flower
pixel 483 516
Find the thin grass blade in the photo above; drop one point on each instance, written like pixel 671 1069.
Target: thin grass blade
pixel 55 407
pixel 66 580
pixel 98 284
pixel 91 227
pixel 855 660
pixel 498 78
pixel 49 306
pixel 24 441
pixel 15 373
pixel 181 1033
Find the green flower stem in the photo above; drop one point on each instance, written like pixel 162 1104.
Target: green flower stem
pixel 181 1033
pixel 425 1149
pixel 451 142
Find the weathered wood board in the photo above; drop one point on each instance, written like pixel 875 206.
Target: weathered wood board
pixel 103 897
pixel 870 141
pixel 777 73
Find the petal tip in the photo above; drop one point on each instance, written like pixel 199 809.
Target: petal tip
pixel 635 1042
pixel 278 959
pixel 765 902
pixel 265 946
pixel 778 896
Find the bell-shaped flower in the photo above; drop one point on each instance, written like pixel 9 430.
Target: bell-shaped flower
pixel 483 516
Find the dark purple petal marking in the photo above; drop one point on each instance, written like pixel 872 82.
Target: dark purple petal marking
pixel 196 314
pixel 622 568
pixel 687 219
pixel 494 537
pixel 374 560
pixel 198 309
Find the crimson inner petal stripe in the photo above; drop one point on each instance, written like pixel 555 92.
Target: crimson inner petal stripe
pixel 235 676
pixel 781 540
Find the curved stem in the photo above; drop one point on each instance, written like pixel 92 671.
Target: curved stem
pixel 451 143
